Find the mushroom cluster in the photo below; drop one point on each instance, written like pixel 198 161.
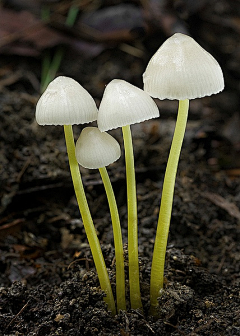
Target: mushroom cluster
pixel 181 69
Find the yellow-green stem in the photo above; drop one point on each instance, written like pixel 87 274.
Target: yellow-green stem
pixel 158 260
pixel 117 234
pixel 135 295
pixel 87 221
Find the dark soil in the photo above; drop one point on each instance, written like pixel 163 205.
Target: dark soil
pixel 49 285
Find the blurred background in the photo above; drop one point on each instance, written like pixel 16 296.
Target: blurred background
pixel 95 41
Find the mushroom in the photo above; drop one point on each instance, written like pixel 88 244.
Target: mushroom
pixel 96 150
pixel 65 102
pixel 124 104
pixel 181 69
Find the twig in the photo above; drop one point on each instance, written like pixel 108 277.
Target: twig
pixel 24 168
pixel 21 310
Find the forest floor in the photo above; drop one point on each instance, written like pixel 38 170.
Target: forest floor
pixel 48 282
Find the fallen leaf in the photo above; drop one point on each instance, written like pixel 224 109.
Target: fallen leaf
pixel 27 252
pixel 22 33
pixel 218 200
pixel 11 228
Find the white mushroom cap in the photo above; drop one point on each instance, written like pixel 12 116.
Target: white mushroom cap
pixel 124 104
pixel 65 102
pixel 182 69
pixel 95 149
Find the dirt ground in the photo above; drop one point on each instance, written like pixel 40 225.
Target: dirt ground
pixel 48 282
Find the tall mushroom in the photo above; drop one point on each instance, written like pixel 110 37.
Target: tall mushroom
pixel 181 69
pixel 124 104
pixel 96 150
pixel 65 102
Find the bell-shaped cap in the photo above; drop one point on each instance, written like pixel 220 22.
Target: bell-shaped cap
pixel 95 149
pixel 124 104
pixel 65 102
pixel 182 69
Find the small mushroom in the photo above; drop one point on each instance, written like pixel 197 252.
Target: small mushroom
pixel 65 102
pixel 124 104
pixel 96 150
pixel 181 69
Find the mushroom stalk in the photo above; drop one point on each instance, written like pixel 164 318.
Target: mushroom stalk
pixel 117 234
pixel 135 295
pixel 87 221
pixel 158 260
